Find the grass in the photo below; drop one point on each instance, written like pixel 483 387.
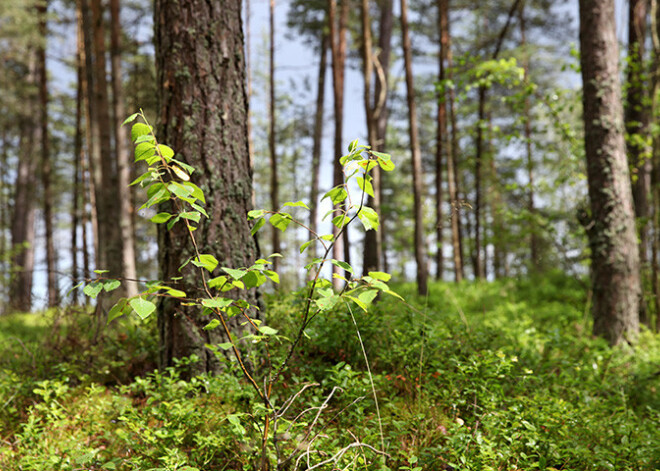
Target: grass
pixel 502 375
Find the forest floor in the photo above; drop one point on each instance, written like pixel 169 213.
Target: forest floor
pixel 502 375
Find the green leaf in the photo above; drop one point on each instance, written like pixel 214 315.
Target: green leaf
pixel 211 325
pixel 264 329
pixel 188 168
pixel 195 191
pixel 101 272
pixel 161 195
pixel 337 195
pixel 207 261
pixel 217 282
pixel 362 306
pixel 365 185
pixel 140 129
pixel 130 118
pixel 274 277
pixel 368 296
pixel 297 204
pixel 110 285
pixel 341 220
pixel 142 307
pixel 305 245
pixel 257 225
pixel 192 215
pixel 385 161
pixel 342 265
pixel 368 218
pixel 236 274
pixel 141 178
pixel 328 237
pixel 144 150
pixel 217 303
pixel 118 310
pixel 325 304
pixel 353 145
pixel 280 221
pixel 256 213
pixel 93 289
pixel 392 293
pixel 166 152
pixel 161 218
pixel 181 191
pixel 254 278
pixel 379 275
pixel 197 207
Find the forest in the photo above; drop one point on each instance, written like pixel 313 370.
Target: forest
pixel 329 234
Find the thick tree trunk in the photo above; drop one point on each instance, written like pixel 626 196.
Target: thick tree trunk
pixel 372 242
pixel 122 140
pixel 636 116
pixel 381 93
pixel 612 237
pixel 418 189
pixel 274 180
pixel 104 168
pixel 46 167
pixel 338 49
pixel 22 225
pixel 203 116
pixel 317 140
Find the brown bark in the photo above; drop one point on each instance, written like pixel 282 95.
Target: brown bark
pixel 615 258
pixel 636 116
pixel 418 189
pixel 122 141
pixel 338 49
pixel 317 140
pixel 381 93
pixel 442 141
pixel 46 167
pixel 22 226
pixel 655 174
pixel 452 157
pixel 203 116
pixel 274 181
pixel 372 241
pixel 104 171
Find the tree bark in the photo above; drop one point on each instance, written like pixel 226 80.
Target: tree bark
pixel 22 226
pixel 441 139
pixel 381 93
pixel 203 116
pixel 612 237
pixel 46 167
pixel 636 116
pixel 122 140
pixel 317 140
pixel 418 189
pixel 104 170
pixel 274 181
pixel 372 242
pixel 338 50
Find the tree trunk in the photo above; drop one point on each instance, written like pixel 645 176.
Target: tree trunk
pixel 104 171
pixel 612 237
pixel 418 190
pixel 122 140
pixel 441 141
pixel 203 116
pixel 318 138
pixel 274 181
pixel 636 116
pixel 655 174
pixel 338 49
pixel 381 93
pixel 477 261
pixel 372 242
pixel 452 153
pixel 22 225
pixel 46 167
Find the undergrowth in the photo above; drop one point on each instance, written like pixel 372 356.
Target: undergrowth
pixel 501 375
